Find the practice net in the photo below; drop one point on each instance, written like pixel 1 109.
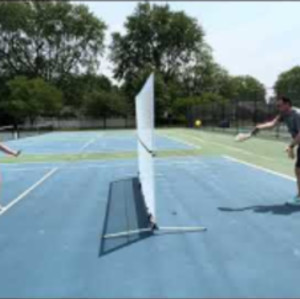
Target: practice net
pixel 144 102
pixel 138 201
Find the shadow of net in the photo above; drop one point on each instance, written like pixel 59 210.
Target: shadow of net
pixel 125 211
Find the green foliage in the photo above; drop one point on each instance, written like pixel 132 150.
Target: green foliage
pixel 182 105
pixel 247 88
pixel 171 44
pixel 48 39
pixel 209 97
pixel 206 76
pixel 288 84
pixel 102 104
pixel 156 39
pixel 74 87
pixel 31 98
pixel 61 43
pixel 93 95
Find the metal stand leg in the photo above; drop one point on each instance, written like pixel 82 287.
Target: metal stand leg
pixel 158 230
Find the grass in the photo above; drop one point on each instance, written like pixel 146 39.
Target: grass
pixel 262 152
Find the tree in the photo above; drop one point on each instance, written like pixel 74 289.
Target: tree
pixel 182 106
pixel 48 39
pixel 31 98
pixel 247 88
pixel 248 92
pixel 156 39
pixel 74 87
pixel 206 76
pixel 288 84
pixel 102 104
pixel 90 94
pixel 172 45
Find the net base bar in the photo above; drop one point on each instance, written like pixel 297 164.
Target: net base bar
pixel 156 230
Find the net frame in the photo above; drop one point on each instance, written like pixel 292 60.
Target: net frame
pixel 144 103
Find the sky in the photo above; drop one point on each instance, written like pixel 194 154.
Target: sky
pixel 261 39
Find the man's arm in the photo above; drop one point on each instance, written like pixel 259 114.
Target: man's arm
pixel 268 125
pixel 295 141
pixel 257 128
pixel 8 151
pixel 290 148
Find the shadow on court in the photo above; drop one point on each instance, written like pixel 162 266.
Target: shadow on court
pixel 280 209
pixel 125 211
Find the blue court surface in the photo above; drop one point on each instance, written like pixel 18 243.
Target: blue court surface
pixel 54 213
pixel 71 142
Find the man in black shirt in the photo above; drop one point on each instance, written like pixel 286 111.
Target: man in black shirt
pixel 291 117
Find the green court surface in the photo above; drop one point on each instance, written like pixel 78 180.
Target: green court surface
pixel 264 152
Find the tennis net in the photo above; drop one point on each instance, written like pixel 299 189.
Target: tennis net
pixel 35 130
pixel 8 133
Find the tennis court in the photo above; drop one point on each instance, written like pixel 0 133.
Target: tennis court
pixel 55 199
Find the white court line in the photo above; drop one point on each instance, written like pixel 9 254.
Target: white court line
pixel 100 166
pixel 48 168
pixel 226 146
pixel 26 192
pixel 45 177
pixel 180 140
pixel 233 148
pixel 133 164
pixel 25 169
pixel 185 133
pixel 90 142
pixel 187 162
pixel 285 176
pixel 197 138
pixel 87 144
pixel 220 144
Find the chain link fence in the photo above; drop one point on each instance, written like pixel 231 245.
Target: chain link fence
pixel 236 117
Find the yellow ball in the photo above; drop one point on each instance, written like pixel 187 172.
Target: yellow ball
pixel 198 123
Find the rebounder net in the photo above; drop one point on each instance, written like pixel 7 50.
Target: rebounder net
pixel 144 103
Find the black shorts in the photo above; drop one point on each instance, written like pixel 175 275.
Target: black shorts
pixel 298 157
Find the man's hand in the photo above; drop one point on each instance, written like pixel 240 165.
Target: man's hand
pixel 290 152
